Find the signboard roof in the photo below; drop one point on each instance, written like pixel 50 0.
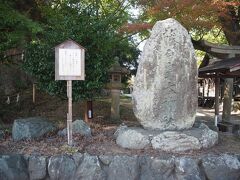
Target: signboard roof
pixel 68 42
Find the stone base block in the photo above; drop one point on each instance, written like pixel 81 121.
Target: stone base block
pixel 171 141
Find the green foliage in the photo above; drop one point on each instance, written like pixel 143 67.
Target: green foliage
pixel 128 54
pixel 215 35
pixel 86 24
pixel 15 28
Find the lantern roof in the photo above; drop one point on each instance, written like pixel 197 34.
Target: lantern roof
pixel 116 68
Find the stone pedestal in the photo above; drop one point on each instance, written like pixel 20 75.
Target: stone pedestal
pixel 170 141
pixel 115 93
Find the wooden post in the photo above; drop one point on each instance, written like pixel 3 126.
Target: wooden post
pixel 86 112
pixel 217 87
pixel 69 66
pixel 203 88
pixel 69 115
pixel 208 86
pixel 34 93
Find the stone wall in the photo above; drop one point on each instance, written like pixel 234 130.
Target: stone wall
pixel 119 167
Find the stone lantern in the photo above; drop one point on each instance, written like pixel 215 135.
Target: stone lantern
pixel 115 85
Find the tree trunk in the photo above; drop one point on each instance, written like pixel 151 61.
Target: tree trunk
pixel 230 25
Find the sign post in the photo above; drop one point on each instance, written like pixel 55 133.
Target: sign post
pixel 69 115
pixel 69 65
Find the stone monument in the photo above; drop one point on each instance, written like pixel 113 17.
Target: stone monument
pixel 165 95
pixel 165 88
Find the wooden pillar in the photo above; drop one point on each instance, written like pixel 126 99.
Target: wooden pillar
pixel 203 89
pixel 34 93
pixel 69 115
pixel 208 87
pixel 88 112
pixel 221 93
pixel 227 99
pixel 217 88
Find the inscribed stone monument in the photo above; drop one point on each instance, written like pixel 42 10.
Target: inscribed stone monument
pixel 165 87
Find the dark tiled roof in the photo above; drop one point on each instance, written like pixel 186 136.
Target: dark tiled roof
pixel 221 65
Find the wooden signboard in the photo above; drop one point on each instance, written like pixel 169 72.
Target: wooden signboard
pixel 69 61
pixel 69 65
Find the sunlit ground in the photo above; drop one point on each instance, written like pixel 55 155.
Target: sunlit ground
pixel 208 114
